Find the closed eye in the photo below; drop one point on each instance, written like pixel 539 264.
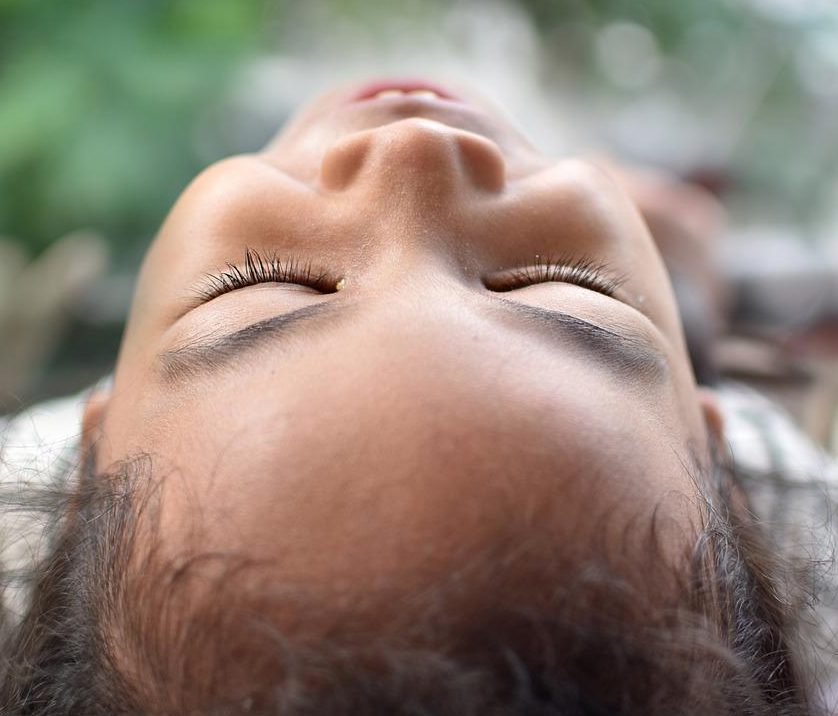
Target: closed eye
pixel 260 268
pixel 580 271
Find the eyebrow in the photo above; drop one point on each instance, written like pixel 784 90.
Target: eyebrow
pixel 211 352
pixel 624 351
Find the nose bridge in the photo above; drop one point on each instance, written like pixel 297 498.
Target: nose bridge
pixel 413 161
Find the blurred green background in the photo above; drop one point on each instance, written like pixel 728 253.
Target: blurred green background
pixel 109 107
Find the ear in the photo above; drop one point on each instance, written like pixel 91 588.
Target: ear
pixel 712 415
pixel 93 417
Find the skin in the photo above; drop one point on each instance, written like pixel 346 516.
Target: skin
pixel 427 418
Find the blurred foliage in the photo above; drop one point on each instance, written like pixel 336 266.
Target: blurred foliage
pixel 764 73
pixel 98 100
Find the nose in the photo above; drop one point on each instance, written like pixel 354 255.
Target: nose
pixel 414 157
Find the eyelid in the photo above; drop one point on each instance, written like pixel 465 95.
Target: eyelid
pixel 578 270
pixel 257 268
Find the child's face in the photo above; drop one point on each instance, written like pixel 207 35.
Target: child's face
pixel 416 415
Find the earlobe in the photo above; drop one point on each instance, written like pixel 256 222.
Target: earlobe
pixel 712 415
pixel 93 417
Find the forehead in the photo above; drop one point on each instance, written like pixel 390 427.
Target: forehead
pixel 411 425
pixel 381 476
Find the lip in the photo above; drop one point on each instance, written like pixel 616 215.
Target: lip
pixel 404 84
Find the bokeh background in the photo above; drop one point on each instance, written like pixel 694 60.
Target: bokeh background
pixel 109 107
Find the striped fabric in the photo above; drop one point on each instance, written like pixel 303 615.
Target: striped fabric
pixel 793 486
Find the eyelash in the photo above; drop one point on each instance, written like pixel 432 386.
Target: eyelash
pixel 258 268
pixel 578 270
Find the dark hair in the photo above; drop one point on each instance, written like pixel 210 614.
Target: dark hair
pixel 101 638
